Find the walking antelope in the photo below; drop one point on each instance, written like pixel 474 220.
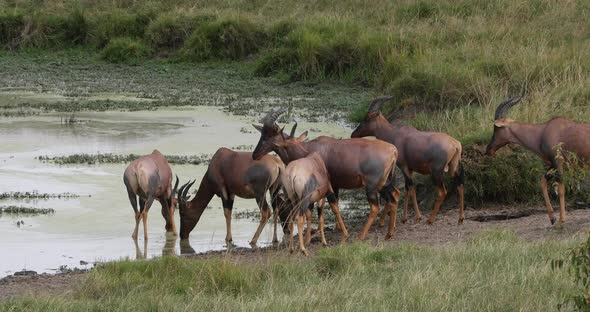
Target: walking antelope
pixel 351 164
pixel 544 140
pixel 430 153
pixel 233 174
pixel 150 178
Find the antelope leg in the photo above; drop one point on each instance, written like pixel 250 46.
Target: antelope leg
pixel 548 205
pixel 442 193
pixel 300 233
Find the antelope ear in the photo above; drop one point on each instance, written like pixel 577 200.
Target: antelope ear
pixel 302 136
pixel 259 128
pixel 504 122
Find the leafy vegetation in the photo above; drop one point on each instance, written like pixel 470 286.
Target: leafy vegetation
pixel 492 271
pixel 447 63
pixel 577 263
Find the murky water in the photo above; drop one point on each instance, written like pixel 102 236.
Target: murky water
pixel 97 226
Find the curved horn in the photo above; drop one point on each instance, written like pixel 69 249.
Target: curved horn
pixel 377 102
pixel 270 118
pixel 181 190
pixel 292 135
pixel 175 186
pixel 188 188
pixel 505 106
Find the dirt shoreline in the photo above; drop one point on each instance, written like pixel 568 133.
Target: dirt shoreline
pixel 528 222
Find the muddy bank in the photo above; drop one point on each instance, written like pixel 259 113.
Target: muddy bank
pixel 67 82
pixel 533 226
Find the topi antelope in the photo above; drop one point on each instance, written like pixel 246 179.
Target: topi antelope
pixel 430 153
pixel 305 182
pixel 233 174
pixel 150 178
pixel 544 140
pixel 351 164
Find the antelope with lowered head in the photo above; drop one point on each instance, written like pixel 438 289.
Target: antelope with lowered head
pixel 351 164
pixel 428 153
pixel 548 140
pixel 150 178
pixel 233 174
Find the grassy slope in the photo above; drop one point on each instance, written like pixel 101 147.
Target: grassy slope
pixel 491 272
pixel 448 63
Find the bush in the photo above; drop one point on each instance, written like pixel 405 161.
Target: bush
pixel 228 39
pixel 11 27
pixel 118 23
pixel 124 50
pixel 578 267
pixel 169 31
pixel 512 176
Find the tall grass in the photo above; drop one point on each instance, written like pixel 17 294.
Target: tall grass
pixel 447 63
pixel 493 271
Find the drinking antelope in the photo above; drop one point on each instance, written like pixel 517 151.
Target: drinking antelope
pixel 429 153
pixel 351 164
pixel 232 174
pixel 548 140
pixel 150 178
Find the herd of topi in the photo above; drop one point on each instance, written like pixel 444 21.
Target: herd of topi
pixel 307 172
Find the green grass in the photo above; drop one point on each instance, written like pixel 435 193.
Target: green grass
pixel 492 271
pixel 447 63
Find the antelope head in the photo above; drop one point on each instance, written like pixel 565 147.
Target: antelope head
pixel 270 134
pixel 502 132
pixel 188 216
pixel 290 147
pixel 369 125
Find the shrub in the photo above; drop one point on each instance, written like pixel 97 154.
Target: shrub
pixel 124 50
pixel 511 176
pixel 227 39
pixel 169 31
pixel 118 23
pixel 578 267
pixel 11 26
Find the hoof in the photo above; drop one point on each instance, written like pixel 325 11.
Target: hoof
pixel 388 237
pixel 404 220
pixel 304 252
pixel 552 219
pixel 461 220
pixel 429 222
